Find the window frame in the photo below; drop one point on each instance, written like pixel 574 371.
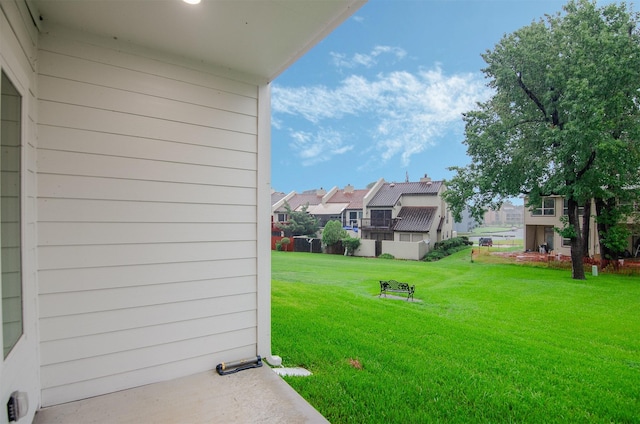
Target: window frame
pixel 545 210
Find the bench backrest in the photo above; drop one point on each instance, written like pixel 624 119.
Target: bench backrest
pixel 395 285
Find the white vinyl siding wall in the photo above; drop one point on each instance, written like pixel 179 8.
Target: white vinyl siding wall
pixel 147 218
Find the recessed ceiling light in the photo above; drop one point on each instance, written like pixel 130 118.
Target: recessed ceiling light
pixel 191 1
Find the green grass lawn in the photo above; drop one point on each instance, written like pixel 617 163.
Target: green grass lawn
pixel 487 343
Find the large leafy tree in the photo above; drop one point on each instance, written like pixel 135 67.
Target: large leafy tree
pixel 300 223
pixel 563 119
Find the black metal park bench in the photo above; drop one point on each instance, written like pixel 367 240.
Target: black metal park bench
pixel 394 286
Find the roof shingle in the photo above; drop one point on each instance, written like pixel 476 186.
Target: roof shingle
pixel 415 219
pixel 389 193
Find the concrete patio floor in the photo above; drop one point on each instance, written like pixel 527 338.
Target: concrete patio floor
pixel 256 395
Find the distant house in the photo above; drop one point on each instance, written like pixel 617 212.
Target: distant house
pixel 325 211
pixel 508 215
pixel 333 205
pixel 407 212
pixel 296 202
pixel 540 223
pixel 391 213
pixel 135 187
pixel 353 201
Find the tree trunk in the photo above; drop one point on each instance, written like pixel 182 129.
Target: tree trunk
pixel 586 227
pixel 577 265
pixel 602 226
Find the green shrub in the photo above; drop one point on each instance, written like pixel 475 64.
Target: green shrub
pixel 350 244
pixel 386 256
pixel 447 247
pixel 453 242
pixel 434 255
pixel 333 233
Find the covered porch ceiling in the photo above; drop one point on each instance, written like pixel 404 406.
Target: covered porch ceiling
pixel 256 37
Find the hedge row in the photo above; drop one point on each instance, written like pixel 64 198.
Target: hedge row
pixel 447 247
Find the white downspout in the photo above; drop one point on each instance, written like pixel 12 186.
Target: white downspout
pixel 263 254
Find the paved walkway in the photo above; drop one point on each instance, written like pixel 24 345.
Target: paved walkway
pixel 256 395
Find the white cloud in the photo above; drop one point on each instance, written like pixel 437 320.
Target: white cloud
pixel 366 59
pixel 402 113
pixel 321 146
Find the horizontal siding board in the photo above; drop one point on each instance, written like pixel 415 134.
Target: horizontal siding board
pixel 70 326
pixel 70 187
pixel 69 233
pixel 69 280
pixel 115 382
pixel 59 351
pixel 204 151
pixel 115 122
pixel 59 90
pixel 87 210
pixel 82 302
pixel 106 75
pixel 235 167
pixel 121 362
pixel 59 257
pixel 72 46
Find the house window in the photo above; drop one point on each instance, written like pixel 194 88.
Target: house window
pixel 417 237
pixel 381 218
pixel 566 242
pixel 282 217
pixel 565 210
pixel 405 237
pixel 548 207
pixel 354 216
pixel 10 219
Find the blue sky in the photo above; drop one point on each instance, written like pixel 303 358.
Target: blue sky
pixel 382 96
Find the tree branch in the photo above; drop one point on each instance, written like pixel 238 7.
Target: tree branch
pixel 532 96
pixel 586 167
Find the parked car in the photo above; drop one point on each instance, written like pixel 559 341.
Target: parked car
pixel 485 241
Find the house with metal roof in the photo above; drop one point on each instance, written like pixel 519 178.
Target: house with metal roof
pixel 407 212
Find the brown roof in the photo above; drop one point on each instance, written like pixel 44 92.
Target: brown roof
pixel 353 198
pixel 390 193
pixel 416 219
pixel 299 200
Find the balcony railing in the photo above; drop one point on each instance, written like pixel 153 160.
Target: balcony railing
pixel 378 223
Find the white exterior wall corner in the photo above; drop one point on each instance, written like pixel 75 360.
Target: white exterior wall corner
pixel 18 50
pixel 153 190
pixel 370 195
